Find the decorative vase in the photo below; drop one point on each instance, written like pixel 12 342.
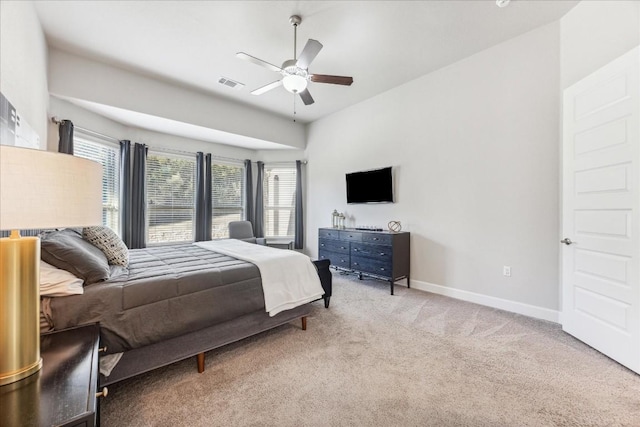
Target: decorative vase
pixel 394 226
pixel 334 218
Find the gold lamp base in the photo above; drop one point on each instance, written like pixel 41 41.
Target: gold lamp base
pixel 19 307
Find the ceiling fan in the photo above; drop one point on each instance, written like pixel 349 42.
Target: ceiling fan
pixel 295 72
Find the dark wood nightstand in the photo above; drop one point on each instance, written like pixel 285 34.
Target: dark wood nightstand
pixel 63 393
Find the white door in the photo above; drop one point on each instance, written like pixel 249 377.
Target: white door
pixel 601 210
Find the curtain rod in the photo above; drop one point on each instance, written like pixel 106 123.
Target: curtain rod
pixel 304 162
pixel 57 121
pixel 189 153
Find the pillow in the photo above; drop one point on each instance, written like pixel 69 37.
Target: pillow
pixel 65 249
pixel 108 242
pixel 58 283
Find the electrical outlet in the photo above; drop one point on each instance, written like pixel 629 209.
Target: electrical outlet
pixel 506 271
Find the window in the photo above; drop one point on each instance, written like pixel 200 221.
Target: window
pixel 170 198
pixel 280 201
pixel 227 195
pixel 108 156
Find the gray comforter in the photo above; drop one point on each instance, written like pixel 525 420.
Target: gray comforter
pixel 166 292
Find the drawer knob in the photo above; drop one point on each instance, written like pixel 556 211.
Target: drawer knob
pixel 342 247
pixel 103 393
pixel 355 249
pixel 375 238
pixel 102 349
pixel 381 268
pixel 382 254
pixel 321 244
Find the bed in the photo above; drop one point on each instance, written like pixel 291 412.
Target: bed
pixel 169 302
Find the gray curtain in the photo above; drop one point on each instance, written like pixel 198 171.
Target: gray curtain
pixel 298 242
pixel 248 193
pixel 199 235
pixel 65 132
pixel 125 191
pixel 203 197
pixel 258 221
pixel 139 198
pixel 208 201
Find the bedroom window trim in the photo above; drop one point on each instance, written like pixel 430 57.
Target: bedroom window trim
pixel 219 221
pixel 285 203
pixel 162 234
pixel 111 175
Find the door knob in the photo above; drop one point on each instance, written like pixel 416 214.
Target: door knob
pixel 567 241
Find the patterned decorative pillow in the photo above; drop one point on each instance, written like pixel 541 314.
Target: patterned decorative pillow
pixel 108 242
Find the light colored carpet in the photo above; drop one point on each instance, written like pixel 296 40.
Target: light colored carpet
pixel 372 359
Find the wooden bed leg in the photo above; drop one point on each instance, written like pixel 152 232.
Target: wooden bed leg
pixel 200 359
pixel 304 323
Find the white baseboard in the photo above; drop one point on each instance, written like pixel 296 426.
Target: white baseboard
pixel 489 301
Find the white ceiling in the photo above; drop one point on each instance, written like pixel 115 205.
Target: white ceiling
pixel 382 44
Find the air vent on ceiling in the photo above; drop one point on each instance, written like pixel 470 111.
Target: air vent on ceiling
pixel 230 83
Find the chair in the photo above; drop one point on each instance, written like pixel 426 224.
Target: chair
pixel 243 230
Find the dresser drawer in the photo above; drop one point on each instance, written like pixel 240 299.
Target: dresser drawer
pixel 351 236
pixel 333 245
pixel 378 238
pixel 372 266
pixel 327 233
pixel 336 259
pixel 378 252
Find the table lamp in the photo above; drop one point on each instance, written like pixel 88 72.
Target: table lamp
pixel 38 190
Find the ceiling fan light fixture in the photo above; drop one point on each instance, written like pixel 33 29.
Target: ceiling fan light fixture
pixel 294 83
pixel 295 72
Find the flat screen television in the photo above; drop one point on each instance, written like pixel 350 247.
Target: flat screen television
pixel 372 186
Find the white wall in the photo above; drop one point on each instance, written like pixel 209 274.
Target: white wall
pixel 23 64
pixel 76 77
pixel 594 33
pixel 475 151
pixel 275 156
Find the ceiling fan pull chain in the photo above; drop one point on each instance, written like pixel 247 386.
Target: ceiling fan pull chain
pixel 294 107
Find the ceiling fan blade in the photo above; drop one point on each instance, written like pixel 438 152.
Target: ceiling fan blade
pixel 258 61
pixel 336 80
pixel 267 88
pixel 310 51
pixel 306 97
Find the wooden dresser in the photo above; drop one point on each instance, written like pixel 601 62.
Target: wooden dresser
pixel 380 254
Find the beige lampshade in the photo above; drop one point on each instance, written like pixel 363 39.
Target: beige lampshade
pixel 38 189
pixel 43 189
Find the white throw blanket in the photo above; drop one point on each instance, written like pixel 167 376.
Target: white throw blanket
pixel 289 278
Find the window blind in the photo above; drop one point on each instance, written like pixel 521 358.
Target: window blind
pixel 170 198
pixel 227 190
pixel 108 156
pixel 280 201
